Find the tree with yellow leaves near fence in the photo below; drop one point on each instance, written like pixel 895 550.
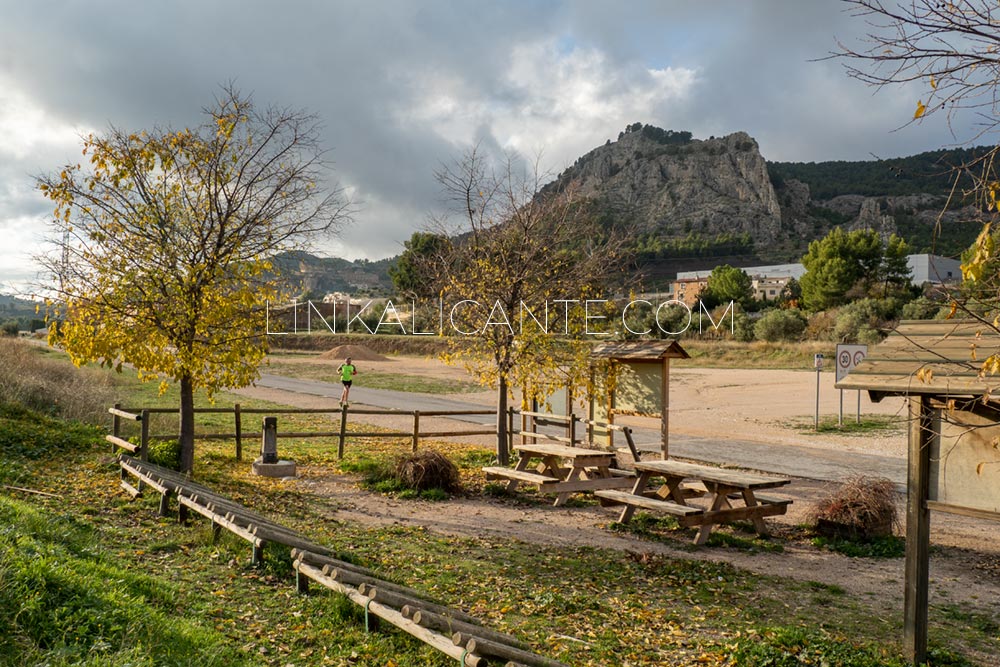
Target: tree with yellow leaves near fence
pixel 516 279
pixel 163 240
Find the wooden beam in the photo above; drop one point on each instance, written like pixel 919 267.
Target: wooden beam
pixel 917 531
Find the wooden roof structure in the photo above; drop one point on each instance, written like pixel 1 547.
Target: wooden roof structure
pixel 640 350
pixel 932 358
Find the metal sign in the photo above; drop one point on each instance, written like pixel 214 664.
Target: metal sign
pixel 818 361
pixel 849 356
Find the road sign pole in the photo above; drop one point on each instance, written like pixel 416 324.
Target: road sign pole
pixel 859 406
pixel 818 362
pixel 840 415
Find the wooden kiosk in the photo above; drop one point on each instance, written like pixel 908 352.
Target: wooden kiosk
pixel 954 428
pixel 637 383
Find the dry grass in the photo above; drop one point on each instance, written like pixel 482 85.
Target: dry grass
pixel 862 507
pixel 427 470
pixel 52 386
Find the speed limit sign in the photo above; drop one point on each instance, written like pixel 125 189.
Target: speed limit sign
pixel 849 356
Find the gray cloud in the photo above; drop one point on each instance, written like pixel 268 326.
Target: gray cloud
pixel 401 87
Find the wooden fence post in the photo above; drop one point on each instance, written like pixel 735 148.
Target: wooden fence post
pixel 239 432
pixel 416 429
pixel 571 430
pixel 116 425
pixel 343 431
pixel 144 439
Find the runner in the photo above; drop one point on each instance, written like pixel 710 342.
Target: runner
pixel 347 372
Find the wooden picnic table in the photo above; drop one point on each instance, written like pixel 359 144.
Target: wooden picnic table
pixel 721 488
pixel 561 470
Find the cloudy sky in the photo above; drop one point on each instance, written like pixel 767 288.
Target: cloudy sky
pixel 403 86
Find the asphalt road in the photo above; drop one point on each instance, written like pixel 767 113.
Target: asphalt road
pixel 790 460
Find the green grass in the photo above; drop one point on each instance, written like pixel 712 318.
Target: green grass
pixel 869 424
pixel 372 379
pixel 64 602
pixel 890 546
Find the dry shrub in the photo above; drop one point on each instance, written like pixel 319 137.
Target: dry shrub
pixel 427 470
pixel 862 507
pixel 52 386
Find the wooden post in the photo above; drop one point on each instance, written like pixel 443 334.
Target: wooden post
pixel 917 532
pixel 143 443
pixel 343 431
pixel 591 405
pixel 571 430
pixel 416 429
pixel 116 425
pixel 510 431
pixel 239 432
pixel 613 381
pixel 665 408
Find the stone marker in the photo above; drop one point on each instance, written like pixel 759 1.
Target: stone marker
pixel 268 464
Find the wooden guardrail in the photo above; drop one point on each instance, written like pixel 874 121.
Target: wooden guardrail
pixel 451 631
pixel 342 433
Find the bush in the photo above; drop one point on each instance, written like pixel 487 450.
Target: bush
pixel 923 308
pixel 780 325
pixel 862 508
pixel 166 453
pixel 860 322
pixel 821 325
pixel 428 470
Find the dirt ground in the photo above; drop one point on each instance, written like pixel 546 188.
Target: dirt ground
pixel 773 406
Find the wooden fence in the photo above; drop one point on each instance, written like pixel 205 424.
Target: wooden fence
pixel 577 430
pixel 142 415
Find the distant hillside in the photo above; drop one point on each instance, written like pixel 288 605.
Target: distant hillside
pixel 313 277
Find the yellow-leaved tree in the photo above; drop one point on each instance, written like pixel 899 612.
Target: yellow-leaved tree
pixel 521 282
pixel 162 241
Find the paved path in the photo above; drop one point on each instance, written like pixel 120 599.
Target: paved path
pixel 793 460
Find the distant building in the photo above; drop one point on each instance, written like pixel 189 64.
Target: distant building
pixel 688 290
pixel 933 269
pixel 768 289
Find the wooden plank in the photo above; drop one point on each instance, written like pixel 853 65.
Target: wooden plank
pixel 730 514
pixel 319 560
pixel 670 507
pixel 497 472
pixel 577 485
pixel 735 478
pixel 962 511
pixel 542 449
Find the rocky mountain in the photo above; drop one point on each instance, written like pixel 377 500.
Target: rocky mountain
pixel 691 203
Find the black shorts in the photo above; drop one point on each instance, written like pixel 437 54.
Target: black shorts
pixel 347 383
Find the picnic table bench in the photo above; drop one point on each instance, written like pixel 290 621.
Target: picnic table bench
pixel 721 488
pixel 562 470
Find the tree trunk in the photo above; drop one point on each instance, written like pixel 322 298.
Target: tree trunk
pixel 503 453
pixel 187 424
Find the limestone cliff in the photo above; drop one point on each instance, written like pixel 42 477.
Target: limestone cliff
pixel 670 186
